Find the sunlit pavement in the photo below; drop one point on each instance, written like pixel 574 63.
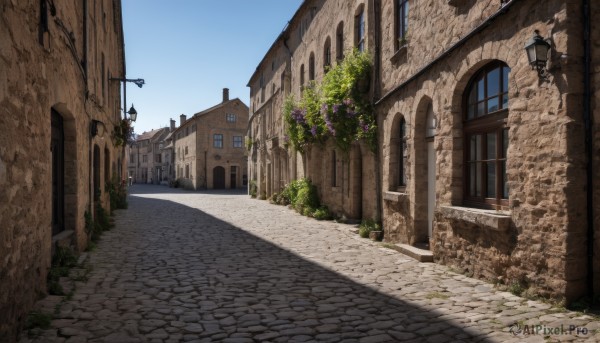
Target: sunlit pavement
pixel 221 267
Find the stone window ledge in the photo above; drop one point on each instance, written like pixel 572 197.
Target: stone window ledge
pixel 495 220
pixel 395 196
pixel 400 54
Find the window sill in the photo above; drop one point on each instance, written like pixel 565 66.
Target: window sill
pixel 395 196
pixel 495 220
pixel 400 55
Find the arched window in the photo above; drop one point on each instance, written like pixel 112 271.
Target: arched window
pixel 401 23
pixel 359 30
pixel 327 55
pixel 302 77
pixel 339 41
pixel 402 153
pixel 311 67
pixel 486 137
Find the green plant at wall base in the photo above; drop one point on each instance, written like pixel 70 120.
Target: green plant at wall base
pixel 366 226
pixel 62 261
pixel 253 189
pixel 117 191
pixel 322 213
pixel 338 108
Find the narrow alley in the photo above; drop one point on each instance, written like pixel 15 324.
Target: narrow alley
pixel 221 267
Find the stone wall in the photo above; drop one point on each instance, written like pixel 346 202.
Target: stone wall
pixel 541 242
pixel 43 72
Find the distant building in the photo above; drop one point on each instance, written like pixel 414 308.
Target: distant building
pixel 60 106
pixel 145 157
pixel 209 147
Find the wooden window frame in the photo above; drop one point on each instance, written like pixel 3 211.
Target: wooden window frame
pixel 483 124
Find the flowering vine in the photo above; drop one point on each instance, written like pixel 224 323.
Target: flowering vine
pixel 338 108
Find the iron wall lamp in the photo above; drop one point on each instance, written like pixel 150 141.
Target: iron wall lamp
pixel 138 82
pixel 132 113
pixel 537 49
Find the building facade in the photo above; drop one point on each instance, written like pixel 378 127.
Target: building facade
pixel 145 157
pixel 209 147
pixel 490 164
pixel 319 33
pixel 60 110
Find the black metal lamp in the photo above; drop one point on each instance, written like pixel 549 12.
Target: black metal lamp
pixel 132 113
pixel 537 52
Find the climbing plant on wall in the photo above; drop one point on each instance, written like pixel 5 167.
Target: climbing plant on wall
pixel 338 108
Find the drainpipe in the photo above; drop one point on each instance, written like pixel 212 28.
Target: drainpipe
pixel 375 95
pixel 587 119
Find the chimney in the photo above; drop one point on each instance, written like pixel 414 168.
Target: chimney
pixel 172 125
pixel 225 94
pixel 181 119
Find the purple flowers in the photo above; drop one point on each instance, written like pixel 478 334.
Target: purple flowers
pixel 286 138
pixel 324 109
pixel 298 115
pixel 364 126
pixel 348 102
pixel 313 130
pixel 336 107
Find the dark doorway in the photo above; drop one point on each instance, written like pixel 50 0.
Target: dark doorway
pixel 233 182
pixel 219 178
pixel 57 147
pixel 96 161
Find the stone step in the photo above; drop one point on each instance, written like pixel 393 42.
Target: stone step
pixel 421 255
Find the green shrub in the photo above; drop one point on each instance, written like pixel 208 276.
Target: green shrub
pixel 117 191
pixel 253 188
pixel 306 198
pixel 322 213
pixel 62 261
pixel 366 226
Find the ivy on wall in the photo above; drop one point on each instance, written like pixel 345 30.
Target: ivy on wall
pixel 338 108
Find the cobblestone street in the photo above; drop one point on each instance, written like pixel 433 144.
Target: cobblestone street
pixel 221 267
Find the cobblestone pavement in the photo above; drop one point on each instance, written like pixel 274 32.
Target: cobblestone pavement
pixel 183 266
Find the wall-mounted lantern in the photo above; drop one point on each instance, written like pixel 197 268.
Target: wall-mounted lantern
pixel 132 113
pixel 537 49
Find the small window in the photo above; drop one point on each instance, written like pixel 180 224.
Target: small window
pixel 402 154
pixel 327 54
pixel 218 141
pixel 237 141
pixel 339 42
pixel 401 23
pixel 311 67
pixel 359 30
pixel 144 158
pixel 334 171
pixel 186 150
pixel 302 77
pixel 231 118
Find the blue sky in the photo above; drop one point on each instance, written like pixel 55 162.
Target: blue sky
pixel 189 50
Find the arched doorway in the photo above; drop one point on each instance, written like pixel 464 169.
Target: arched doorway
pixel 219 177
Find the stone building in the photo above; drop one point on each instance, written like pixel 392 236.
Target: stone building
pixel 320 32
pixel 168 157
pixel 145 156
pixel 209 147
pixel 487 162
pixel 57 136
